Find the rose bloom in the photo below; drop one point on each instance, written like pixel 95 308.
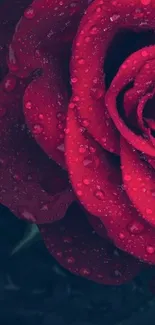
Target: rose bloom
pixel 77 126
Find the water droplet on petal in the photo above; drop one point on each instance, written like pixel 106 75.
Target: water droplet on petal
pixel 67 240
pixel 149 211
pixel 74 80
pixel 85 272
pixel 94 30
pixel 127 178
pixel 61 147
pixel 121 235
pixel 86 181
pixel 114 17
pixel 150 250
pixel 85 122
pixel 135 228
pixel 99 195
pixel 29 13
pixel 10 83
pixel 145 2
pixel 81 61
pixel 37 129
pixel 28 105
pixel 70 260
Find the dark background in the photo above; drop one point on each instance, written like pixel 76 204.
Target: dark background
pixel 35 290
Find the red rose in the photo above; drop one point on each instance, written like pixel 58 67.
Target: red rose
pixel 92 143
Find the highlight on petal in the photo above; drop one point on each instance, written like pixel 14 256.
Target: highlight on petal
pixel 139 180
pixel 96 179
pixel 42 19
pixel 74 245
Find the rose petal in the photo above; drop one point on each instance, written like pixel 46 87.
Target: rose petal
pixel 37 192
pixel 123 78
pixel 31 185
pixel 45 106
pixel 103 194
pixel 42 19
pixel 98 27
pixel 8 19
pixel 87 78
pixel 83 253
pixel 97 225
pixel 139 180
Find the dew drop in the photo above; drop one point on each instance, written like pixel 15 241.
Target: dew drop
pixel 28 105
pixel 61 147
pixel 114 17
pixel 29 13
pixel 81 61
pixel 67 240
pixel 150 250
pixel 74 80
pixel 59 254
pixel 85 272
pixel 135 228
pixel 10 83
pixel 79 193
pixel 99 195
pixel 70 260
pixel 86 181
pixel 149 211
pixel 127 177
pixel 93 30
pixel 82 149
pixel 37 129
pixel 121 235
pixel 85 122
pixel 145 2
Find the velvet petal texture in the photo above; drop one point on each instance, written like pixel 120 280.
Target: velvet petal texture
pixel 75 246
pixel 98 184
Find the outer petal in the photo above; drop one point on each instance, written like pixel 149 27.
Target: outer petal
pixel 42 19
pixel 31 185
pixel 45 103
pixel 139 180
pixel 96 180
pixel 74 245
pixel 8 19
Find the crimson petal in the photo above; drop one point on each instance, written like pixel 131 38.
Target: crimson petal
pixel 31 185
pixel 139 180
pixel 74 245
pixel 45 103
pixel 97 182
pixel 8 19
pixel 122 79
pixel 87 77
pixel 41 19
